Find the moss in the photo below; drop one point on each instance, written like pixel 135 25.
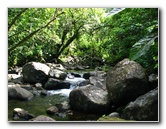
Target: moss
pixel 107 118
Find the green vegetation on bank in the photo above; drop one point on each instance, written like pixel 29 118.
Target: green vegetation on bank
pixel 90 34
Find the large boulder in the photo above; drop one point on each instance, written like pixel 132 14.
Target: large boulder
pixel 35 72
pixel 89 99
pixel 126 81
pixel 19 93
pixel 144 108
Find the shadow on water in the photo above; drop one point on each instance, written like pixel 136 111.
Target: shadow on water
pixel 37 105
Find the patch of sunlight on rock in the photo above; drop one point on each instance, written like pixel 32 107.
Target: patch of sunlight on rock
pixel 107 118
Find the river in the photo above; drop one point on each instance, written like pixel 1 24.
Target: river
pixel 39 104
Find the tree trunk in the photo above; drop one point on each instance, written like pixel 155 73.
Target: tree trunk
pixel 68 42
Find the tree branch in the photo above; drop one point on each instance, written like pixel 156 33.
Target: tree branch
pixel 30 35
pixel 17 16
pixel 68 42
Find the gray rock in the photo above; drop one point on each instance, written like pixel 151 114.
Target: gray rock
pixel 88 74
pixel 38 86
pixel 58 74
pixel 13 85
pixel 61 114
pixel 83 83
pixel 19 93
pixel 52 110
pixel 144 108
pixel 27 87
pixel 56 66
pixel 126 81
pixel 53 84
pixel 15 70
pixel 21 114
pixel 94 79
pixel 153 81
pixel 34 72
pixel 64 106
pixel 89 99
pixel 114 114
pixel 18 79
pixel 44 92
pixel 101 74
pixel 70 76
pixel 42 118
pixel 36 92
pixel 75 74
pixel 98 81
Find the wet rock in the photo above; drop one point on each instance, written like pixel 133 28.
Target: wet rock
pixel 83 83
pixel 75 81
pixel 126 81
pixel 19 93
pixel 75 74
pixel 35 72
pixel 64 85
pixel 70 76
pixel 88 74
pixel 89 99
pixel 53 84
pixel 144 108
pixel 44 92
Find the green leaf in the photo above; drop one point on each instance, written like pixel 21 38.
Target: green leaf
pixel 141 47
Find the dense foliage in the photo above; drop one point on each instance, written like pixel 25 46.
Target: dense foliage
pixel 89 34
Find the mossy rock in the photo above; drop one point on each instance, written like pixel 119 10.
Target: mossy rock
pixel 107 118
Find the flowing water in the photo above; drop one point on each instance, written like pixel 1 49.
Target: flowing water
pixel 39 104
